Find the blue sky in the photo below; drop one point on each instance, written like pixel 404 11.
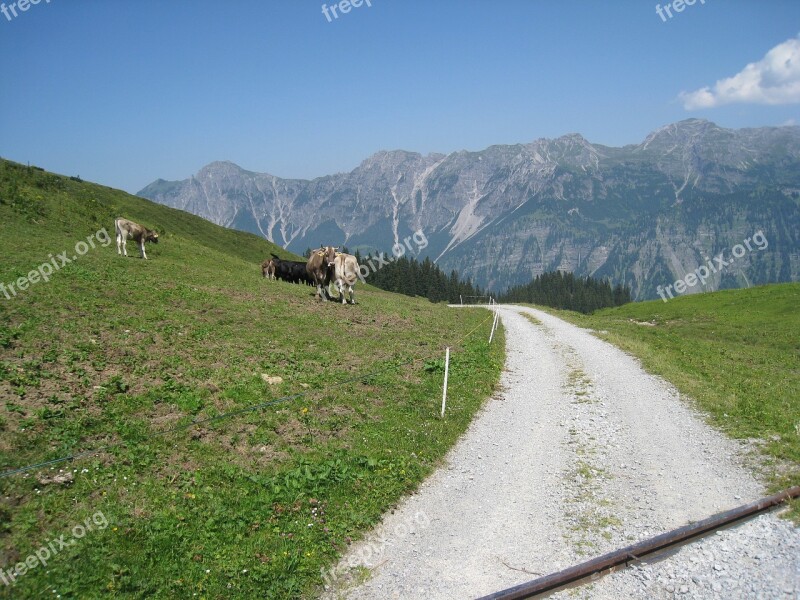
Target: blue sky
pixel 123 92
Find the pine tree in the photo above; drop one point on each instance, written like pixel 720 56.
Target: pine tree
pixel 563 290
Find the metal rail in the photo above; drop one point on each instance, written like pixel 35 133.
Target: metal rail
pixel 608 563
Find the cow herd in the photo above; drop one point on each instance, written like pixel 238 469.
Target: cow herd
pixel 325 266
pixel 292 271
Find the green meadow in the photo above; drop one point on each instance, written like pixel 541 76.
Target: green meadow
pixel 234 433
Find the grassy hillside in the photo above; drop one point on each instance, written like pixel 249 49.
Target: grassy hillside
pixel 735 352
pixel 121 356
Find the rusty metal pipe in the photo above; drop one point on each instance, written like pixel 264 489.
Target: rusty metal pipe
pixel 608 563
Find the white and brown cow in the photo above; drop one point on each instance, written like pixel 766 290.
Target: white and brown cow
pixel 268 269
pixel 128 229
pixel 345 273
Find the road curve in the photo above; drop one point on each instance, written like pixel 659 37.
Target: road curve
pixel 579 453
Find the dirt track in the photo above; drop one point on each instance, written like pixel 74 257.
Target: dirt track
pixel 580 453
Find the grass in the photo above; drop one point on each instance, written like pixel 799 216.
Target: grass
pixel 735 353
pixel 585 508
pixel 123 357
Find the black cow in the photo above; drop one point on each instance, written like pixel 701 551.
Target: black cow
pixel 291 271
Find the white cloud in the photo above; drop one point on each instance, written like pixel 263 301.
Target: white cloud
pixel 775 79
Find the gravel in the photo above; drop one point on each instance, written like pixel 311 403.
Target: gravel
pixel 580 453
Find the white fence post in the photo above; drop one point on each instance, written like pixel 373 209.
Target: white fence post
pixel 446 372
pixel 494 324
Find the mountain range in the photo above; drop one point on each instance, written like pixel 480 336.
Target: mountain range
pixel 644 215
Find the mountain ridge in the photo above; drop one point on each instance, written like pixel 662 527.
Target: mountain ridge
pixel 506 213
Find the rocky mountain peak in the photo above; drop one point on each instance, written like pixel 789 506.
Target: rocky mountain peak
pixel 642 214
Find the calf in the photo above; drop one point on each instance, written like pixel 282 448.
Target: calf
pixel 268 269
pixel 345 274
pixel 128 229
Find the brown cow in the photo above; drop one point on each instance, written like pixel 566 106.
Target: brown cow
pixel 268 269
pixel 320 268
pixel 345 274
pixel 128 229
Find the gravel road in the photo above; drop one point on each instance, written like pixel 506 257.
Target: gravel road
pixel 580 453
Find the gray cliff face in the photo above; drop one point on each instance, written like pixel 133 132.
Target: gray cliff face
pixel 644 215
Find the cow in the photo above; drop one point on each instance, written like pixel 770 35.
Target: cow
pixel 320 268
pixel 346 270
pixel 268 269
pixel 299 273
pixel 290 270
pixel 128 229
